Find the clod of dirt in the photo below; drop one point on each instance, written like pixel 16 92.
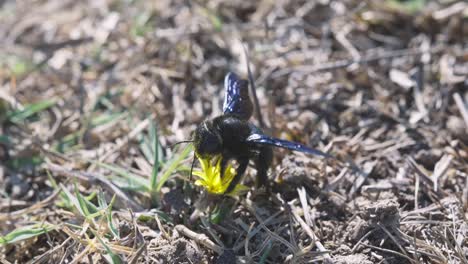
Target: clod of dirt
pixel 352 259
pixel 342 250
pixel 297 173
pixel 357 229
pixel 382 212
pixel 175 250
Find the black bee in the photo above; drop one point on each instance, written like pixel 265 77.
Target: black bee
pixel 233 137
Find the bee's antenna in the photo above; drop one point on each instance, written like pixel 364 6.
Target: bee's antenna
pixel 191 169
pixel 252 85
pixel 180 142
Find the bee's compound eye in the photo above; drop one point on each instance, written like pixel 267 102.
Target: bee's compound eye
pixel 207 141
pixel 209 144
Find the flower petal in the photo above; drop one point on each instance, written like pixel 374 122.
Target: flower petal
pixel 211 178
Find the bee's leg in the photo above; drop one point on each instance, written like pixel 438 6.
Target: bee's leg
pixel 224 161
pixel 225 158
pixel 262 163
pixel 243 162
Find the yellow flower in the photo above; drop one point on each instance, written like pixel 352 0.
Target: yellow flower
pixel 210 177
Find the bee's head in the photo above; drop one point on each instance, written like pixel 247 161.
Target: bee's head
pixel 207 139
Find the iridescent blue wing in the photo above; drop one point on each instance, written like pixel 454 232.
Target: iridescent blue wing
pixel 236 97
pixel 266 140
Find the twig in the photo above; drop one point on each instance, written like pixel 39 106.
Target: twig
pixel 364 59
pixel 362 177
pixel 49 252
pixel 274 235
pixel 161 227
pixel 252 233
pixel 461 108
pixel 138 253
pixel 426 179
pixel 32 208
pixel 81 255
pixel 337 180
pixel 450 11
pixel 199 238
pixel 390 251
pixel 311 234
pixel 305 206
pixel 393 239
pixel 440 169
pixel 340 36
pixel 4 261
pixel 362 239
pixel 416 191
pixel 254 90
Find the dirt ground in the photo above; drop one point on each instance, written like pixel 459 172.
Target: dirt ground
pixel 94 95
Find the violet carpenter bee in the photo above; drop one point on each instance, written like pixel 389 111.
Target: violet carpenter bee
pixel 232 137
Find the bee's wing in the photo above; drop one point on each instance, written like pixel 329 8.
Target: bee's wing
pixel 261 139
pixel 236 97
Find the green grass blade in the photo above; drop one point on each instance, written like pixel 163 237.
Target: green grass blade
pixel 145 147
pixel 5 140
pixel 149 216
pixel 127 184
pixel 266 253
pixel 25 233
pixel 140 181
pixel 147 143
pixel 111 257
pixel 17 65
pixel 84 207
pixel 72 199
pixel 29 110
pixel 409 6
pixel 65 201
pixel 82 203
pixel 106 118
pixel 103 205
pixel 139 26
pixel 93 210
pixel 154 172
pixel 172 165
pixel 22 162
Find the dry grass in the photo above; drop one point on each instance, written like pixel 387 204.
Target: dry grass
pixel 94 94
